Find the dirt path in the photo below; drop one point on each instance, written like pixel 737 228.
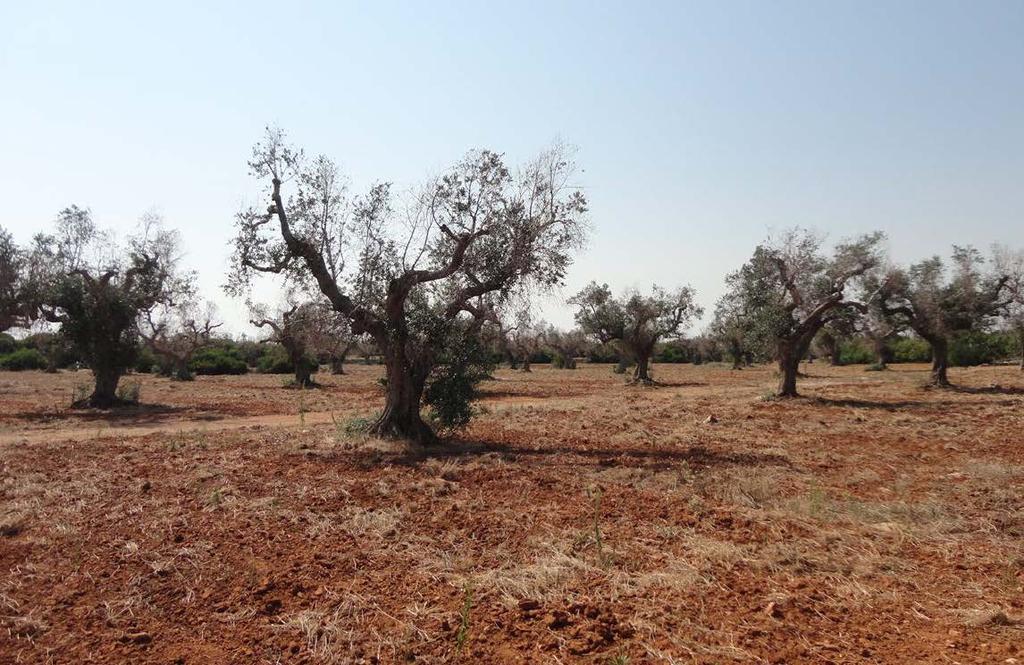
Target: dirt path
pixel 209 424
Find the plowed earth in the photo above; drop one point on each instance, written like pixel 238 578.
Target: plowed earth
pixel 576 520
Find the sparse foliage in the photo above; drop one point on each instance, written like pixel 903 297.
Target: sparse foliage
pixel 409 278
pixel 790 289
pixel 937 305
pixel 96 289
pixel 634 323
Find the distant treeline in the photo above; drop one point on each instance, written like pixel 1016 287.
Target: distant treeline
pixel 224 355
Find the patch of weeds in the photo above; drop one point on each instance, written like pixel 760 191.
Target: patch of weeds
pixel 619 659
pixel 130 392
pixel 358 425
pixel 462 636
pixel 216 498
pixel 768 397
pixel 80 393
pixel 817 502
pixel 876 367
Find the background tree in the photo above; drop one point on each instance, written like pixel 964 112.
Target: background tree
pixel 297 328
pixel 422 280
pixel 840 328
pixel 635 323
pixel 732 328
pixel 176 331
pixel 96 289
pixel 1010 264
pixel 566 346
pixel 524 339
pixel 791 289
pixel 938 306
pixel 12 266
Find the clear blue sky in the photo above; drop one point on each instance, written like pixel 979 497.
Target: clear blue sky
pixel 700 125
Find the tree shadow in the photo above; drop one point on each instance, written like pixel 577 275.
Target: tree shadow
pixel 869 404
pixel 135 414
pixel 650 458
pixel 988 390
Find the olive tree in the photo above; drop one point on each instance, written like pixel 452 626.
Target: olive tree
pixel 524 339
pixel 420 279
pixel 791 288
pixel 938 305
pixel 297 328
pixel 634 323
pixel 12 266
pixel 566 345
pixel 175 331
pixel 1010 263
pixel 96 289
pixel 732 329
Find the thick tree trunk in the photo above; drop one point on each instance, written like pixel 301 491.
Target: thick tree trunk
pixel 401 417
pixel 181 370
pixel 737 355
pixel 526 363
pixel 303 374
pixel 881 353
pixel 569 362
pixel 642 374
pixel 104 394
pixel 940 361
pixel 338 365
pixel 833 352
pixel 789 367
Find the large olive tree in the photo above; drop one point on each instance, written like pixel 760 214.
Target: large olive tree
pixel 96 289
pixel 418 280
pixel 937 304
pixel 634 323
pixel 790 288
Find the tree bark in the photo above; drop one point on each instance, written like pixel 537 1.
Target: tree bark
pixel 881 355
pixel 303 374
pixel 104 394
pixel 401 417
pixel 789 366
pixel 526 363
pixel 940 361
pixel 642 374
pixel 737 355
pixel 833 352
pixel 181 370
pixel 338 365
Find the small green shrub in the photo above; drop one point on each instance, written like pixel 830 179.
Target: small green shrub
pixel 22 359
pixel 7 344
pixel 911 350
pixel 856 351
pixel 218 360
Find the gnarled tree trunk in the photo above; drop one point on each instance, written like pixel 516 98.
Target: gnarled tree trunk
pixel 104 394
pixel 789 367
pixel 642 372
pixel 940 361
pixel 878 346
pixel 834 352
pixel 401 417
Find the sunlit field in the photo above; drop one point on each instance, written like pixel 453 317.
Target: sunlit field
pixel 576 519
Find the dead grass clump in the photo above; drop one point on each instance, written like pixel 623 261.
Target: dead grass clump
pixel 12 523
pixel 551 573
pixel 381 523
